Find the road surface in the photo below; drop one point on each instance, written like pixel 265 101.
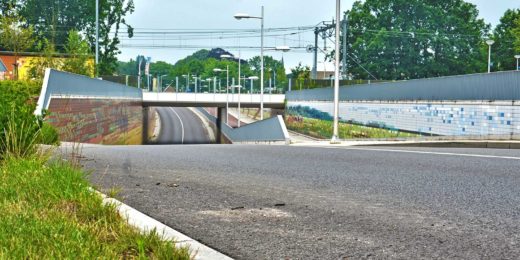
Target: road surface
pixel 181 126
pixel 286 202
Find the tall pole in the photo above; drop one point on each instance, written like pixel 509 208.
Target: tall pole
pixel 345 21
pixel 262 68
pixel 239 84
pixel 335 138
pixel 315 60
pixel 138 74
pixel 97 38
pixel 274 78
pixel 489 59
pixel 227 94
pixel 489 42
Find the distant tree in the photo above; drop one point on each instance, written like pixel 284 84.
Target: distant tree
pixel 9 7
pixel 161 68
pixel 14 37
pixel 517 36
pixel 46 60
pixel 271 65
pixel 406 39
pixel 78 55
pixel 53 19
pixel 112 16
pixel 300 74
pixel 505 37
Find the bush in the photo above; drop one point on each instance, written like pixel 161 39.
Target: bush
pixel 20 130
pixel 49 135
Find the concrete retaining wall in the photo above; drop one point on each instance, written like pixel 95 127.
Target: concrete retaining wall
pixel 492 119
pixel 90 110
pixel 480 105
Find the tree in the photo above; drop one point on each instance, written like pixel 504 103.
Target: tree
pixel 48 59
pixel 14 37
pixel 505 36
pixel 270 65
pixel 79 57
pixel 53 19
pixel 8 7
pixel 160 68
pixel 406 39
pixel 112 16
pixel 517 36
pixel 300 74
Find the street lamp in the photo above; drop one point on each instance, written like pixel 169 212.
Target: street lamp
pixel 239 88
pixel 252 79
pixel 240 16
pixel 489 42
pixel 161 83
pixel 227 89
pixel 187 82
pixel 517 57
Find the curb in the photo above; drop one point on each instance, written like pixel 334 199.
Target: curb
pixel 430 144
pixel 146 224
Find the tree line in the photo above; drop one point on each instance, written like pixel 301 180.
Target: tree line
pixel 409 39
pixel 203 62
pixel 67 27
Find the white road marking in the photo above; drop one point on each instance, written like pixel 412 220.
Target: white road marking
pixel 182 124
pixel 425 152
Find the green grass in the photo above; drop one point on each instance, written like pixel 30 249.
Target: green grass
pixel 323 129
pixel 48 212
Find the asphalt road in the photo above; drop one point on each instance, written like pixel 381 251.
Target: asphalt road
pixel 281 202
pixel 181 126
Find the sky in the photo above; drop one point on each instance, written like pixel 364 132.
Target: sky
pixel 158 23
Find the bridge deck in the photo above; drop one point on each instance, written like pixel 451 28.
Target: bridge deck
pixel 211 100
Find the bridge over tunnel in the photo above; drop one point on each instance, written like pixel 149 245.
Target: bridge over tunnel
pixel 87 110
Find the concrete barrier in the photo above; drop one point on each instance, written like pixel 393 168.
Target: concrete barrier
pixel 272 130
pixel 89 110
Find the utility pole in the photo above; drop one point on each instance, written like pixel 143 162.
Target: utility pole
pixel 315 61
pixel 326 29
pixel 335 136
pixel 345 24
pixel 97 38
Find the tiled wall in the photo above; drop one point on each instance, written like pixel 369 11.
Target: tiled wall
pixel 100 121
pixel 470 118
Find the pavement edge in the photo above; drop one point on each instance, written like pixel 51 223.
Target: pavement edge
pixel 146 224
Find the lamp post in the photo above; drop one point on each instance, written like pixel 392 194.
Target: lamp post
pixel 252 79
pixel 489 42
pixel 97 39
pixel 517 57
pixel 227 89
pixel 187 82
pixel 335 138
pixel 240 16
pixel 161 83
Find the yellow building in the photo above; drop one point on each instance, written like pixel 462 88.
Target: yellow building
pixel 31 61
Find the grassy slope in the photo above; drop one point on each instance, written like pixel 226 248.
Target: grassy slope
pixel 47 211
pixel 323 129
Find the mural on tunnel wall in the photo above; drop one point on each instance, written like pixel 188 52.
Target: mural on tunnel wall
pixel 96 120
pixel 499 119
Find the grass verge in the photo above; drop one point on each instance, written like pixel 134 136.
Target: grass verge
pixel 323 129
pixel 48 212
